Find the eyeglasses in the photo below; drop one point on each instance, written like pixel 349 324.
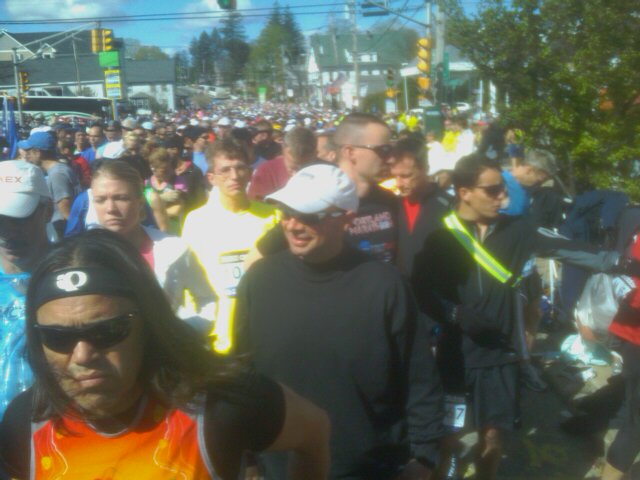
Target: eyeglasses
pixel 101 335
pixel 308 218
pixel 384 151
pixel 239 169
pixel 493 190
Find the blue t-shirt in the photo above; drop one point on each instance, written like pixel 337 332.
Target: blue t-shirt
pixel 518 197
pixel 200 161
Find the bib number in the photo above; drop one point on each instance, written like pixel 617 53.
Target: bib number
pixel 455 411
pixel 231 270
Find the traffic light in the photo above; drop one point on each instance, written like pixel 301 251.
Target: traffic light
pixel 96 40
pixel 390 78
pixel 227 4
pixel 424 83
pixel 107 40
pixel 24 82
pixel 424 63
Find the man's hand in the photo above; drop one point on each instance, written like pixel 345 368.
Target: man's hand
pixel 415 470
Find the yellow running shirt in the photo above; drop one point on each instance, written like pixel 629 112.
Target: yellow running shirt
pixel 221 240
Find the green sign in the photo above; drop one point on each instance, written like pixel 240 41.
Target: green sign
pixel 109 59
pixel 262 94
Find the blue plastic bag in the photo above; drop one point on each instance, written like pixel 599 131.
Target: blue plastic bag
pixel 15 372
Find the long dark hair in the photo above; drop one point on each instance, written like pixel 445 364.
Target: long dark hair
pixel 177 365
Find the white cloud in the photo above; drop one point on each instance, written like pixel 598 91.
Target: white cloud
pixel 38 10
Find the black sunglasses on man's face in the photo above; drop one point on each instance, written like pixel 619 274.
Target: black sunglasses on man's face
pixel 308 218
pixel 493 191
pixel 384 151
pixel 102 335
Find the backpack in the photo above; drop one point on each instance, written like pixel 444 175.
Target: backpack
pixel 591 219
pixel 626 227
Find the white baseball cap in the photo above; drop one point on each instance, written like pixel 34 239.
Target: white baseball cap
pixel 316 188
pixel 22 185
pixel 113 150
pixel 224 122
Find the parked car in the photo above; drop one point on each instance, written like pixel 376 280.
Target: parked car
pixel 463 107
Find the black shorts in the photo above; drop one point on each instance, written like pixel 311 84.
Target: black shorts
pixel 493 397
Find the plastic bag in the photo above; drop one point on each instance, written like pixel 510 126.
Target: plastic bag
pixel 15 372
pixel 600 300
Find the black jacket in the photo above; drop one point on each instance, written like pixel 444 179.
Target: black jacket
pixel 446 274
pixel 348 336
pixel 434 205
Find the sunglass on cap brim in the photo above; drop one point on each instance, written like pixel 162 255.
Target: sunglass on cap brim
pixel 102 335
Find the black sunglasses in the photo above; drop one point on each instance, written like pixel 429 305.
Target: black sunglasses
pixel 101 335
pixel 493 190
pixel 384 151
pixel 308 218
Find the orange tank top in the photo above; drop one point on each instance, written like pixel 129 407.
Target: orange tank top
pixel 160 444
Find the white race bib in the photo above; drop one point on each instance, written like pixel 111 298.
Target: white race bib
pixel 455 411
pixel 231 270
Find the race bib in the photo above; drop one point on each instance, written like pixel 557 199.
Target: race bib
pixel 455 411
pixel 231 270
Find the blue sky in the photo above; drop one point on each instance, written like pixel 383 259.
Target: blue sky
pixel 172 35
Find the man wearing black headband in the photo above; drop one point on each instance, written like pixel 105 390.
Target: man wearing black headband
pixel 123 388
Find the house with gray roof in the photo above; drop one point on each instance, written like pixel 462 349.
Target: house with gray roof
pixel 55 67
pixel 330 64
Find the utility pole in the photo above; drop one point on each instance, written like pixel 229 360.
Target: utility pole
pixel 429 35
pixel 356 70
pixel 75 59
pixel 439 48
pixel 14 54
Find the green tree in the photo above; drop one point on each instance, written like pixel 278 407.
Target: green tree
pixel 150 53
pixel 182 67
pixel 266 66
pixel 201 58
pixel 275 18
pixel 278 52
pixel 294 39
pixel 568 73
pixel 235 46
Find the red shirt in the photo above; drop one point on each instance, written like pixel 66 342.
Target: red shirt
pixel 270 176
pixel 146 250
pixel 411 211
pixel 626 323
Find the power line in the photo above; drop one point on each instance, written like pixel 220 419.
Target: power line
pixel 208 14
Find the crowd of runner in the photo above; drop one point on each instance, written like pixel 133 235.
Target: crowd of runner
pixel 286 291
